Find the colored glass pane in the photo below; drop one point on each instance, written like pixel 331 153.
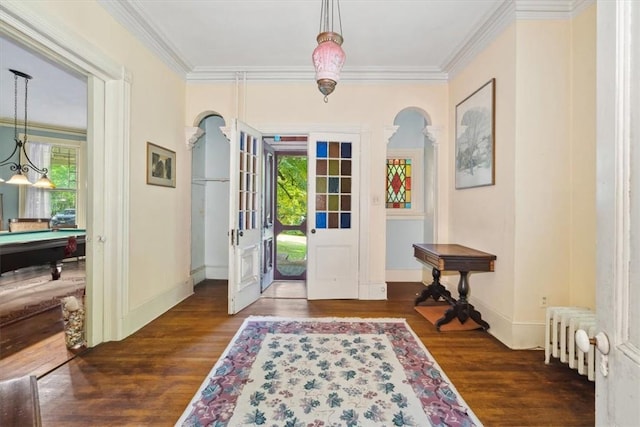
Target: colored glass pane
pixel 321 202
pixel 345 151
pixel 321 167
pixel 321 150
pixel 321 184
pixel 334 204
pixel 334 167
pixel 334 185
pixel 345 185
pixel 345 168
pixel 398 183
pixel 334 150
pixel 345 203
pixel 321 220
pixel 334 220
pixel 345 220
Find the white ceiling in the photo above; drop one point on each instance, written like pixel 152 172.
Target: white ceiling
pixel 56 95
pixel 273 39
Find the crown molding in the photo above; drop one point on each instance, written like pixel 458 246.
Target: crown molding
pixel 494 24
pixel 130 15
pixel 43 127
pixel 133 19
pixel 504 15
pixel 306 73
pixel 550 9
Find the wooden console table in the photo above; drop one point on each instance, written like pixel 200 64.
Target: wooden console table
pixel 450 257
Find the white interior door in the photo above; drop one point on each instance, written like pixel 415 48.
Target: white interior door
pixel 618 206
pixel 245 236
pixel 333 216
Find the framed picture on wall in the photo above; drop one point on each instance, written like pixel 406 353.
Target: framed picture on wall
pixel 475 140
pixel 161 166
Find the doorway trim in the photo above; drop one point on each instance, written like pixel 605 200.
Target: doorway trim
pixel 367 289
pixel 108 92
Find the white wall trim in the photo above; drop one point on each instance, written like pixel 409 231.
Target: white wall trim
pixel 478 41
pixel 107 156
pixel 515 335
pixel 198 275
pixel 303 73
pixel 142 315
pixel 217 272
pixel 133 19
pixel 372 291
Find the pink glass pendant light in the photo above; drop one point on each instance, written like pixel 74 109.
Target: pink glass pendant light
pixel 328 56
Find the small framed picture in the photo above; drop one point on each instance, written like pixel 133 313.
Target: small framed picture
pixel 475 140
pixel 161 166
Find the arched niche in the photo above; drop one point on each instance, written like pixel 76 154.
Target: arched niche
pixel 209 198
pixel 410 219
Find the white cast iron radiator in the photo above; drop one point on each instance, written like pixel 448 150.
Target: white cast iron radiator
pixel 560 342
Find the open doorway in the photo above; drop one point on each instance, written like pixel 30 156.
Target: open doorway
pixel 290 216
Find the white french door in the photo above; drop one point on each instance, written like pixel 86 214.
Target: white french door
pixel 245 216
pixel 333 216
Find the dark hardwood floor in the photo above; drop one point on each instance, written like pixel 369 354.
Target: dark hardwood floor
pixel 150 377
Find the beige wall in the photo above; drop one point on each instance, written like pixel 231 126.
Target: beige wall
pixel 370 107
pixel 583 158
pixel 159 222
pixel 483 218
pixel 539 218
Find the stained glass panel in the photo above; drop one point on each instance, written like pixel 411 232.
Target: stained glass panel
pixel 398 184
pixel 333 184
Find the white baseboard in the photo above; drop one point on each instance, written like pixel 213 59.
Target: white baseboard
pixel 515 335
pixel 199 274
pixel 218 272
pixel 372 291
pixel 142 315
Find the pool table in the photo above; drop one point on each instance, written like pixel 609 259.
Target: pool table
pixel 31 248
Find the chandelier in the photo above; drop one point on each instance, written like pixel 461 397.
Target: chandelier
pixel 328 56
pixel 17 166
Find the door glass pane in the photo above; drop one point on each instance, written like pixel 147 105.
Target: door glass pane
pixel 333 184
pixel 291 191
pixel 247 197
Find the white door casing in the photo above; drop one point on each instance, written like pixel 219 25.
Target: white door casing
pixel 618 212
pixel 245 216
pixel 333 216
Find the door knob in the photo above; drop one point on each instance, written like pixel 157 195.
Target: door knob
pixel 313 231
pixel 601 341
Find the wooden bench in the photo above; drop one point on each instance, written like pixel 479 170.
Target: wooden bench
pixel 19 403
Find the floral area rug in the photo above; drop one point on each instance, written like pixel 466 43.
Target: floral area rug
pixel 326 372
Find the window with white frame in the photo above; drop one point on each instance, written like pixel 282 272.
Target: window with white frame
pixel 64 204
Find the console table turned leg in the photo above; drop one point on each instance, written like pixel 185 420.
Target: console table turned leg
pixel 461 308
pixel 435 290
